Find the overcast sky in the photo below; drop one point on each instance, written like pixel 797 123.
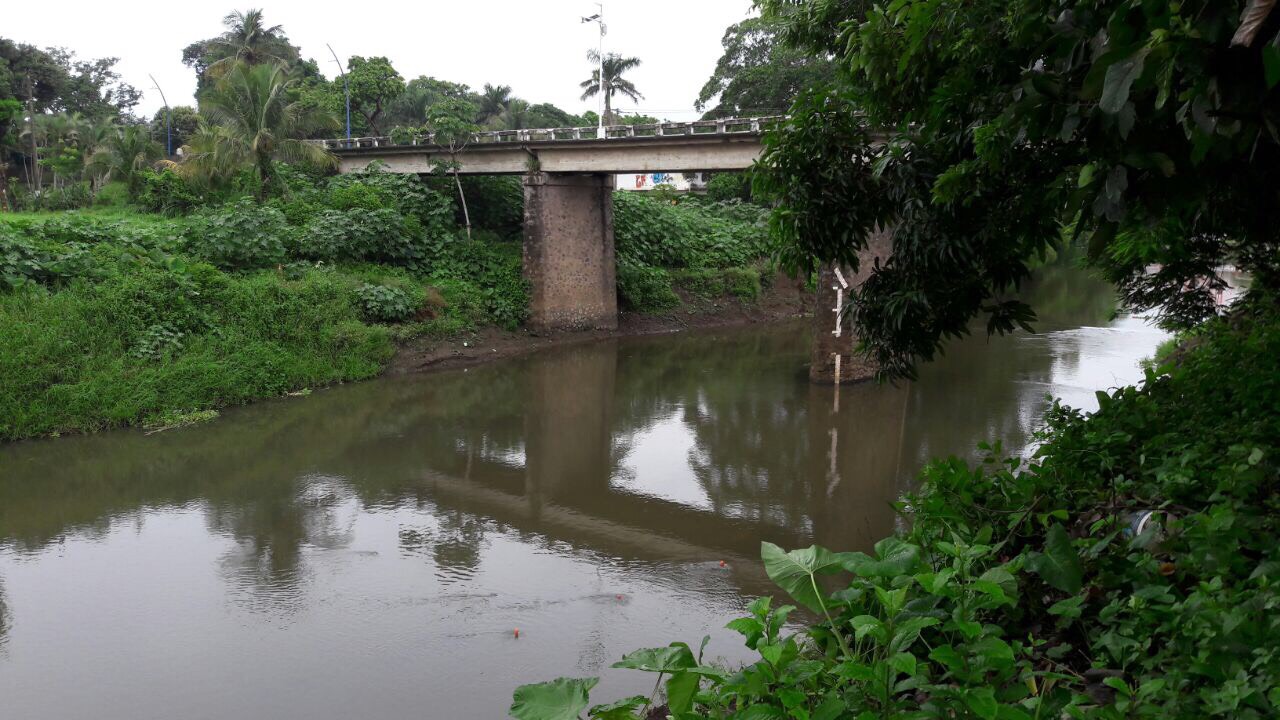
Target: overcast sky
pixel 538 47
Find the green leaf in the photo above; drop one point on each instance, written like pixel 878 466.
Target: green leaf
pixel 1069 608
pixel 866 624
pixel 680 691
pixel 620 709
pixel 982 701
pixel 560 699
pixel 670 659
pixel 830 709
pixel 993 650
pixel 1058 565
pixel 893 557
pixel 1271 64
pixel 1119 79
pixel 947 656
pixel 1086 175
pixel 903 662
pixel 794 571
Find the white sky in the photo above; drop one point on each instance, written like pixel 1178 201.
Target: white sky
pixel 538 47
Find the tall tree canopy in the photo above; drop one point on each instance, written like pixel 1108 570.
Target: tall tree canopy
pixel 374 84
pixel 985 132
pixel 615 67
pixel 247 39
pixel 759 73
pixel 55 81
pixel 252 121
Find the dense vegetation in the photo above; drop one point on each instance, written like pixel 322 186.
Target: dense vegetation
pixel 1128 569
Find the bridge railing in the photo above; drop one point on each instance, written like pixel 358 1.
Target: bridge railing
pixel 724 126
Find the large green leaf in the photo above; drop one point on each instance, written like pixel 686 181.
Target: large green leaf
pixel 1058 565
pixel 673 658
pixel 1119 79
pixel 894 557
pixel 794 571
pixel 560 699
pixel 619 709
pixel 681 688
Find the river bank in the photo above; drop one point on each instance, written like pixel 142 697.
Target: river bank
pixel 781 300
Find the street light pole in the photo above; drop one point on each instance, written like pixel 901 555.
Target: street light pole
pixel 168 119
pixel 346 89
pixel 598 18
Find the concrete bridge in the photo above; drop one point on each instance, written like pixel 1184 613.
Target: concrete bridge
pixel 568 210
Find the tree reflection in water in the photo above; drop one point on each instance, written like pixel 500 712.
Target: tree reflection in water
pixel 548 445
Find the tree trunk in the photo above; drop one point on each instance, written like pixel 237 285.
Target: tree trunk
pixel 466 216
pixel 608 109
pixel 265 175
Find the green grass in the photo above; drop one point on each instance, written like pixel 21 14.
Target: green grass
pixel 137 331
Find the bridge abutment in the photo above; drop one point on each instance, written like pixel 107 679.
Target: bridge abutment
pixel 834 341
pixel 568 251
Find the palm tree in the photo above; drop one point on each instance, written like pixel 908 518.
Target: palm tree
pixel 251 120
pixel 494 101
pixel 124 154
pixel 615 66
pixel 249 40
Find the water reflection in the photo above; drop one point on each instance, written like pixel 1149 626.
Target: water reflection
pixel 374 544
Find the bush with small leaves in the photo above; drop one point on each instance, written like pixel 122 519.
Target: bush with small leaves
pixel 382 303
pixel 239 236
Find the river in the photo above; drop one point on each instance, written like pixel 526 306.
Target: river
pixel 370 550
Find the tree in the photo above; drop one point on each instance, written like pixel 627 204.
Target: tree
pixel 374 84
pixel 615 66
pixel 247 39
pixel 252 121
pixel 760 74
pixel 494 102
pixel 983 135
pixel 451 121
pixel 124 154
pixel 410 107
pixel 183 122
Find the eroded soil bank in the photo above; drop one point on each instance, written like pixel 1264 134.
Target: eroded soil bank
pixel 784 299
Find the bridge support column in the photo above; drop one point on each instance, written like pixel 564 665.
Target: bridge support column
pixel 568 251
pixel 834 359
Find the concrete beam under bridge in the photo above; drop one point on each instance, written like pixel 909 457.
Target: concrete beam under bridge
pixel 678 153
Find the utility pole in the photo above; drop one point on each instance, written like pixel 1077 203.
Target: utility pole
pixel 168 119
pixel 33 172
pixel 598 19
pixel 346 88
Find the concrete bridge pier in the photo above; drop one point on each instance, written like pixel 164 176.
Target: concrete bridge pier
pixel 834 359
pixel 568 251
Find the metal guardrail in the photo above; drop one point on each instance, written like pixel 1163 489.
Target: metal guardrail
pixel 725 126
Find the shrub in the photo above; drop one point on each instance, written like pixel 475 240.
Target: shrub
pixel 683 235
pixel 644 288
pixel 382 303
pixel 27 262
pixel 167 193
pixel 729 186
pixel 242 235
pixel 743 283
pixel 112 195
pixel 358 195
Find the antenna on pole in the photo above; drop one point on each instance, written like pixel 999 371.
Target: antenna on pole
pixel 168 119
pixel 346 88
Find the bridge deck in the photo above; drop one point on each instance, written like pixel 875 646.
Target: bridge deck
pixel 730 144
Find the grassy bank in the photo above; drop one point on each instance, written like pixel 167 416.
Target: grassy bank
pixel 1128 570
pixel 118 316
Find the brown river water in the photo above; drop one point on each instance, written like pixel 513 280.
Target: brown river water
pixel 369 551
